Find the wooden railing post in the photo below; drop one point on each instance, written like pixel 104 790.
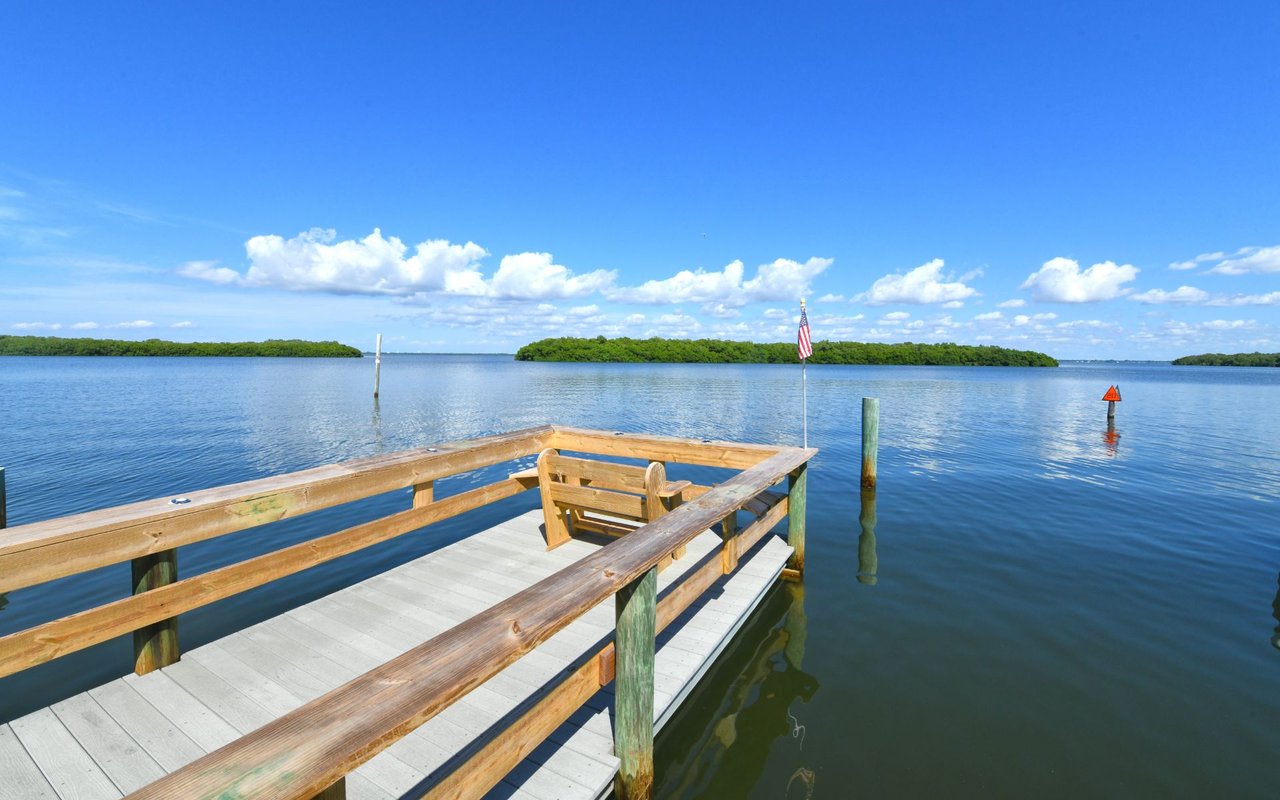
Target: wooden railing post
pixel 338 791
pixel 424 494
pixel 155 645
pixel 795 516
pixel 729 546
pixel 4 503
pixel 636 606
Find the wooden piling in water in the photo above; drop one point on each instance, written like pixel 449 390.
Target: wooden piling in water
pixel 377 366
pixel 636 615
pixel 870 440
pixel 799 483
pixel 155 645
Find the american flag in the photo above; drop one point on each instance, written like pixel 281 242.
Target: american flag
pixel 803 345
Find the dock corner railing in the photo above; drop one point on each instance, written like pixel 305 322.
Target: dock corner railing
pixel 309 751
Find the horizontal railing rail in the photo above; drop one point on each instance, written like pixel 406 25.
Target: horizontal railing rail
pixel 148 532
pixel 42 551
pixel 314 747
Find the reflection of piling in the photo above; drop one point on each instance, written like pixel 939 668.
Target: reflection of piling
pixel 870 440
pixel 796 626
pixel 868 564
pixel 1275 612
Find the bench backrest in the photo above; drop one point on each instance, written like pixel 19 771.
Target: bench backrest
pixel 575 486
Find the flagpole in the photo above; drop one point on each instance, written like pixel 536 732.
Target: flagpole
pixel 803 339
pixel 804 398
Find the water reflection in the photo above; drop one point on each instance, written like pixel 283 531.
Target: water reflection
pixel 868 563
pixel 1111 438
pixel 375 423
pixel 754 715
pixel 1275 612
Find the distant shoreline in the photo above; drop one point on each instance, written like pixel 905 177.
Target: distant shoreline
pixel 1229 360
pixel 271 348
pixel 721 351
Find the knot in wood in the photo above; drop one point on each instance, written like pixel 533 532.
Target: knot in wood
pixel 515 627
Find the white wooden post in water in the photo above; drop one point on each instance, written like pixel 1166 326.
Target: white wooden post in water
pixel 377 366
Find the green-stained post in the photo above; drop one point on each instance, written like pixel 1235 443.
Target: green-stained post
pixel 795 516
pixel 870 440
pixel 155 645
pixel 636 611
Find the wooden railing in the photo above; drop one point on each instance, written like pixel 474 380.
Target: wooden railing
pixel 311 749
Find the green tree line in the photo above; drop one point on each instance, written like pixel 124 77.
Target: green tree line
pixel 61 346
pixel 720 351
pixel 1230 360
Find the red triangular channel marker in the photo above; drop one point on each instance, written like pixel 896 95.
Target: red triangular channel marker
pixel 1112 394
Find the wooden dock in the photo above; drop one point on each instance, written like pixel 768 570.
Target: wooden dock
pixel 485 668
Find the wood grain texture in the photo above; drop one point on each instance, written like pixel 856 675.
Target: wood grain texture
pixel 589 499
pixel 553 519
pixel 42 643
pixel 734 455
pixel 41 551
pixel 306 750
pixel 871 441
pixel 729 546
pixel 636 605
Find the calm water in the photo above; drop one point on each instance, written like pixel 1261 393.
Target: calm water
pixel 1032 607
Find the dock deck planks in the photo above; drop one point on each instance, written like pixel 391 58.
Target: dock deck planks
pixel 116 738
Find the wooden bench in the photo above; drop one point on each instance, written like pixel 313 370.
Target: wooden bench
pixel 584 495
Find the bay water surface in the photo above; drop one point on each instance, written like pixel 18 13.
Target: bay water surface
pixel 1032 605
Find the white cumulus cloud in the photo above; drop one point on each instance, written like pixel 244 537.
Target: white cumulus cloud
pixel 210 271
pixel 1245 261
pixel 1060 280
pixel 315 261
pixel 37 326
pixel 782 279
pixel 534 276
pixel 1016 302
pixel 136 324
pixel 1183 294
pixel 84 326
pixel 1250 260
pixel 923 285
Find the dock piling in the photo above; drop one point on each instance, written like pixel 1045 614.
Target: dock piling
pixel 155 645
pixel 377 366
pixel 870 441
pixel 799 483
pixel 636 613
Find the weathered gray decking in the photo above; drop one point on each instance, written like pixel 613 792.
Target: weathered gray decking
pixel 119 737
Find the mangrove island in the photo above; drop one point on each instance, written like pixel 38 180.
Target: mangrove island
pixel 721 351
pixel 63 346
pixel 1229 360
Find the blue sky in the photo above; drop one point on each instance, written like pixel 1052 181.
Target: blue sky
pixel 1089 180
